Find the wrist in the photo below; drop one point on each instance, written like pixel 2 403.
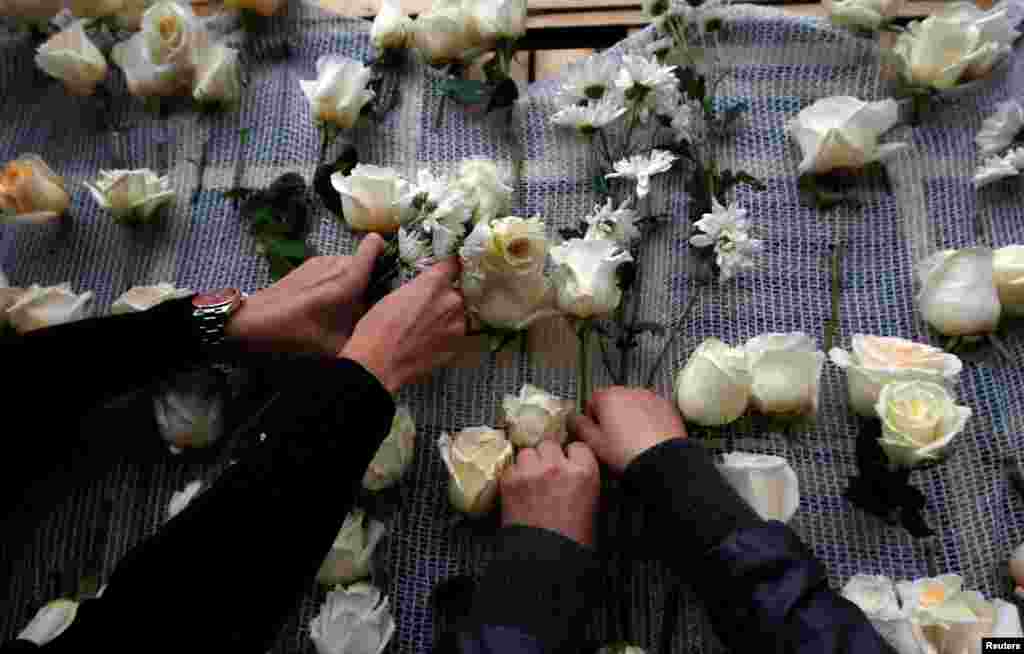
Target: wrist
pixel 365 357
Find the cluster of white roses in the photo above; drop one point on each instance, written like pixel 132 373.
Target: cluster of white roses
pixel 171 54
pixel 932 615
pixel 451 31
pixel 997 135
pixel 31 193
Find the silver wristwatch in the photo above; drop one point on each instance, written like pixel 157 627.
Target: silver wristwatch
pixel 211 312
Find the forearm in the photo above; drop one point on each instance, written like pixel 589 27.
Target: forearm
pixel 534 595
pixel 238 558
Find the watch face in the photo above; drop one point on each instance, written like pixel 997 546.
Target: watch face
pixel 216 298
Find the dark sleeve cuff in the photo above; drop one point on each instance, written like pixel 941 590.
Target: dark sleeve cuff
pixel 679 481
pixel 539 582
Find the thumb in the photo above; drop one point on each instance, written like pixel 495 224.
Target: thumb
pixel 366 256
pixel 584 429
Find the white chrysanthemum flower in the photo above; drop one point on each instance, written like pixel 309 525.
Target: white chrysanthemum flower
pixel 591 81
pixel 649 86
pixel 728 230
pixel 592 116
pixel 642 167
pixel 613 224
pixel 995 169
pixel 414 248
pixel 684 123
pixel 1000 129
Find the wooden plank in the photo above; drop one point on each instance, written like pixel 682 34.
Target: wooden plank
pixel 549 63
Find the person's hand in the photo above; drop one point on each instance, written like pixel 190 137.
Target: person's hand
pixel 313 309
pixel 413 330
pixel 621 423
pixel 547 489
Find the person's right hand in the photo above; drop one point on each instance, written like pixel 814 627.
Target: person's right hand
pixel 413 330
pixel 622 423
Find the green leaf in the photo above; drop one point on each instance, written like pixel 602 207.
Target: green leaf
pixel 601 185
pixel 279 267
pixel 288 249
pixel 466 91
pixel 243 135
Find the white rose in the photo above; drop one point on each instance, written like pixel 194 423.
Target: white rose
pixel 39 307
pixel 189 410
pixel 958 292
pixel 143 298
pixel 714 387
pixel 767 483
pixel 864 14
pixel 349 557
pixel 339 93
pixel 496 19
pixel 1008 272
pixel 160 59
pixel 50 621
pixel 132 196
pixel 479 181
pixel 585 277
pixel 997 618
pixel 30 192
pixel 843 132
pixel 936 601
pixel 394 455
pixel 218 78
pixel 958 43
pixel 475 458
pixel 442 34
pixel 535 415
pixel 391 27
pixel 73 58
pixel 39 10
pixel 879 360
pixel 371 198
pixel 876 597
pixel 786 370
pixel 181 499
pixel 503 277
pixel 919 420
pixel 352 620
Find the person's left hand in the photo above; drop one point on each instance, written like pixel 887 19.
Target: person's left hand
pixel 313 309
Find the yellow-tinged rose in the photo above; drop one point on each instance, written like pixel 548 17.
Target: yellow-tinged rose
pixel 31 192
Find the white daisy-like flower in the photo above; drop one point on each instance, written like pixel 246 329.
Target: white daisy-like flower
pixel 591 81
pixel 728 230
pixel 1001 128
pixel 642 167
pixel 684 123
pixel 414 248
pixel 613 224
pixel 648 86
pixel 592 116
pixel 995 169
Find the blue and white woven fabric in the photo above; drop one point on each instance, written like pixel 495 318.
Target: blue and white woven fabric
pixel 782 65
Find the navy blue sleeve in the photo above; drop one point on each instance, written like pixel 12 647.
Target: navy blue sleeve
pixel 497 639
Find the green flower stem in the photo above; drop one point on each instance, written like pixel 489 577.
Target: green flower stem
pixel 832 326
pixel 585 336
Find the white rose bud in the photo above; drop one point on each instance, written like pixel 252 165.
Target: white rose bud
pixel 73 58
pixel 391 27
pixel 218 78
pixel 480 182
pixel 1008 271
pixel 958 292
pixel 936 601
pixel 352 620
pixel 189 410
pixel 959 43
pixel 876 597
pixel 714 387
pixel 767 483
pixel 132 196
pixel 339 93
pixel 843 132
pixel 442 34
pixel 371 198
pixel 586 277
pixel 919 420
pixel 50 621
pixel 143 298
pixel 863 14
pixel 535 415
pixel 30 192
pixel 394 455
pixel 349 557
pixel 503 272
pixel 786 371
pixel 879 360
pixel 37 10
pixel 496 19
pixel 475 458
pixel 181 499
pixel 160 59
pixel 39 307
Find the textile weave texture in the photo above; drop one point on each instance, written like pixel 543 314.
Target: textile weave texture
pixel 782 65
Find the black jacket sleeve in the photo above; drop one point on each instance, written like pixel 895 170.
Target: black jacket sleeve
pixel 226 572
pixel 763 589
pixel 534 596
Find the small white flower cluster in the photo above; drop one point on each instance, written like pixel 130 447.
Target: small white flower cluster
pixel 997 135
pixel 728 231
